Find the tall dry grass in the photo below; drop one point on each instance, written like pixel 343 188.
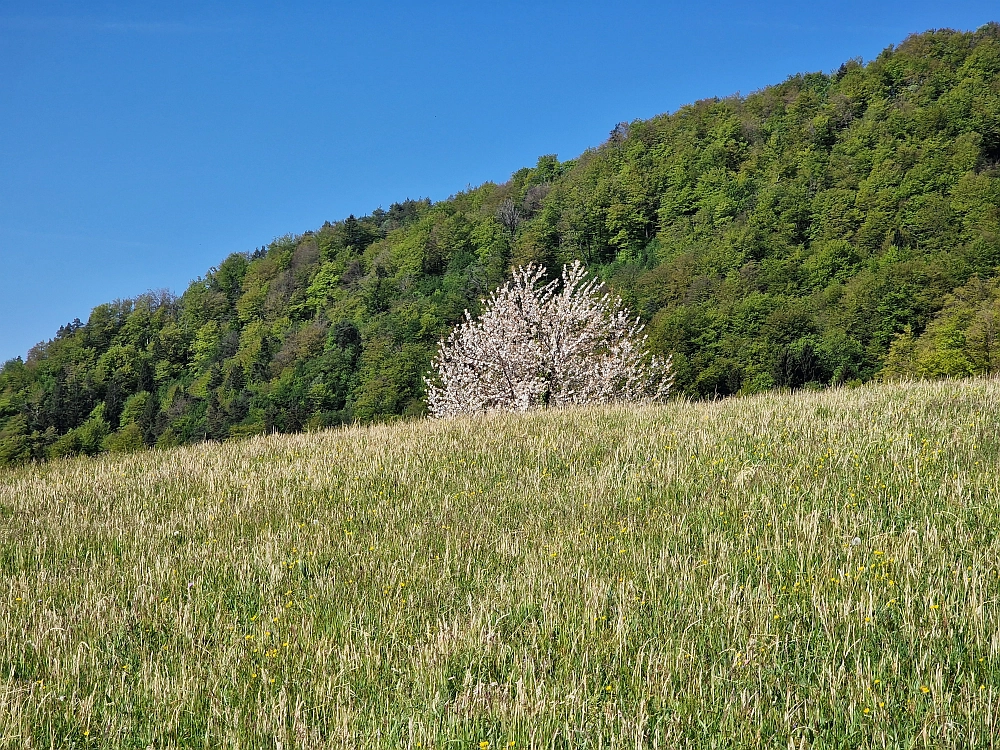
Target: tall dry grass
pixel 807 570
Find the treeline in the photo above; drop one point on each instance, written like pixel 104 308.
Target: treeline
pixel 827 230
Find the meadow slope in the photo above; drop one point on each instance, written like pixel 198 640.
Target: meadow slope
pixel 807 569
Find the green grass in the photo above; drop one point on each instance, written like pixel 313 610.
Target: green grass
pixel 807 570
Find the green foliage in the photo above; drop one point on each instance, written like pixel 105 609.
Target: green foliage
pixel 88 438
pixel 826 230
pixel 127 440
pixel 962 339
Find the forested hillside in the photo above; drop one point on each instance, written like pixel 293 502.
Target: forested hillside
pixel 830 229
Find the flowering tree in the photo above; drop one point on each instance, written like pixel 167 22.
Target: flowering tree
pixel 541 345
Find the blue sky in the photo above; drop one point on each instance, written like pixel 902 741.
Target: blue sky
pixel 142 142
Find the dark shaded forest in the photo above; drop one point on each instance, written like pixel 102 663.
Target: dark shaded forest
pixel 828 230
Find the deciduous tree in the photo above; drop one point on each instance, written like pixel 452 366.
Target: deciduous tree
pixel 535 344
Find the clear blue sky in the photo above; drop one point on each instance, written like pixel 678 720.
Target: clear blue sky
pixel 142 142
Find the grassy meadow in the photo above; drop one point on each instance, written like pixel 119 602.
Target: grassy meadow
pixel 808 570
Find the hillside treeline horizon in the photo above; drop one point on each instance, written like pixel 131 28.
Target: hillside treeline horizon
pixel 831 229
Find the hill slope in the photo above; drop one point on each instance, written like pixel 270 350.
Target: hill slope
pixel 806 569
pixel 829 229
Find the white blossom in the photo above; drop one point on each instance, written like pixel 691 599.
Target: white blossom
pixel 537 345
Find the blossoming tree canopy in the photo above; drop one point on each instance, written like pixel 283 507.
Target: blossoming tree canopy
pixel 555 344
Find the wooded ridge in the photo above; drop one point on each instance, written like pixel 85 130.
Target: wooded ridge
pixel 826 230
